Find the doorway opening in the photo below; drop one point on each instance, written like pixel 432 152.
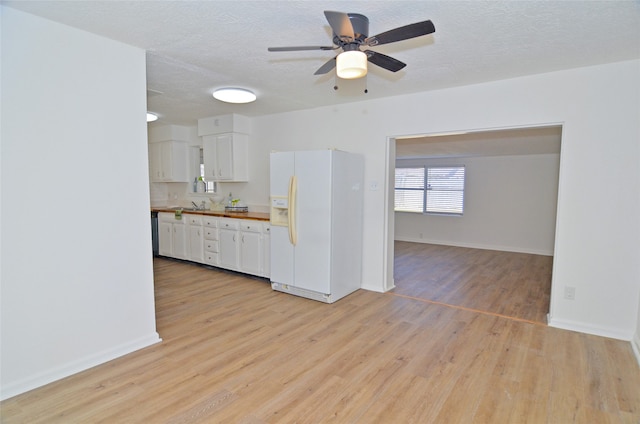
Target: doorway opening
pixel 496 257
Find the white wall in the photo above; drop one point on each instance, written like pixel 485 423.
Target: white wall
pixel 77 275
pixel 509 204
pixel 596 249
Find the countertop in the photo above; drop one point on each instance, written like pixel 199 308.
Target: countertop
pixel 258 216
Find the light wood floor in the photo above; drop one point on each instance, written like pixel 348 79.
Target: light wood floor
pixel 516 285
pixel 234 351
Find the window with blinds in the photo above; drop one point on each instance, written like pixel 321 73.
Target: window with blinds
pixel 438 190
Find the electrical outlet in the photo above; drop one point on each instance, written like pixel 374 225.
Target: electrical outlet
pixel 570 293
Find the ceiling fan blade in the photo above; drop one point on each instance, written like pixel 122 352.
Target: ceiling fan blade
pixel 340 24
pixel 402 33
pixel 384 61
pixel 328 66
pixel 299 48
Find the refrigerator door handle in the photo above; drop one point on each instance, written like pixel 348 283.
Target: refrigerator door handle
pixel 293 192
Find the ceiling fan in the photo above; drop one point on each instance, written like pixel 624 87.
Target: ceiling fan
pixel 350 33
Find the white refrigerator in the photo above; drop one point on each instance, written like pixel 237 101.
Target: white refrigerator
pixel 316 223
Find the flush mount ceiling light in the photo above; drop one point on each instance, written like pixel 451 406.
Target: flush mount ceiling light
pixel 234 95
pixel 151 117
pixel 351 64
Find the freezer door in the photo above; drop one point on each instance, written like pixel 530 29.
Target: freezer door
pixel 281 168
pixel 282 251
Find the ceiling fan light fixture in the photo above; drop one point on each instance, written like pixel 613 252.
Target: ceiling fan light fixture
pixel 234 95
pixel 151 117
pixel 351 64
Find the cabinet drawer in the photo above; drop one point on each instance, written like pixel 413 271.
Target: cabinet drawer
pixel 211 246
pixel 211 258
pixel 167 217
pixel 251 226
pixel 210 233
pixel 194 219
pixel 228 223
pixel 171 218
pixel 210 222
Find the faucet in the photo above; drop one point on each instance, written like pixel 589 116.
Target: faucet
pixel 202 205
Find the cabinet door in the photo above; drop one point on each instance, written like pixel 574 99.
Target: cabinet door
pixel 226 157
pixel 155 162
pixel 169 161
pixel 165 237
pixel 228 255
pixel 196 243
pixel 180 241
pixel 165 160
pixel 224 153
pixel 175 161
pixel 251 253
pixel 210 157
pixel 266 252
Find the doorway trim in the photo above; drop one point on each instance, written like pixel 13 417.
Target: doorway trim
pixel 389 215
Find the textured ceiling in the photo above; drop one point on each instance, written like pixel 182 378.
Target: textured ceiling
pixel 194 47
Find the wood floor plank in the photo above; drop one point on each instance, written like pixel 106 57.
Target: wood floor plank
pixel 234 351
pixel 507 283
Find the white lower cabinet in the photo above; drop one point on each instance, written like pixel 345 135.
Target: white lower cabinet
pixel 266 250
pixel 172 236
pixel 165 243
pixel 229 244
pixel 251 247
pixel 211 241
pixel 180 236
pixel 196 238
pixel 235 244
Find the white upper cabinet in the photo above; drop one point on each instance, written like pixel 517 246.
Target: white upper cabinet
pixel 168 161
pixel 226 157
pixel 225 144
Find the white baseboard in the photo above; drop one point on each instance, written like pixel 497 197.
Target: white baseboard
pixel 76 366
pixel 377 288
pixel 581 327
pixel 477 246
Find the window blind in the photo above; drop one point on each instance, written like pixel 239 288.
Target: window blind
pixel 430 190
pixel 409 190
pixel 445 190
